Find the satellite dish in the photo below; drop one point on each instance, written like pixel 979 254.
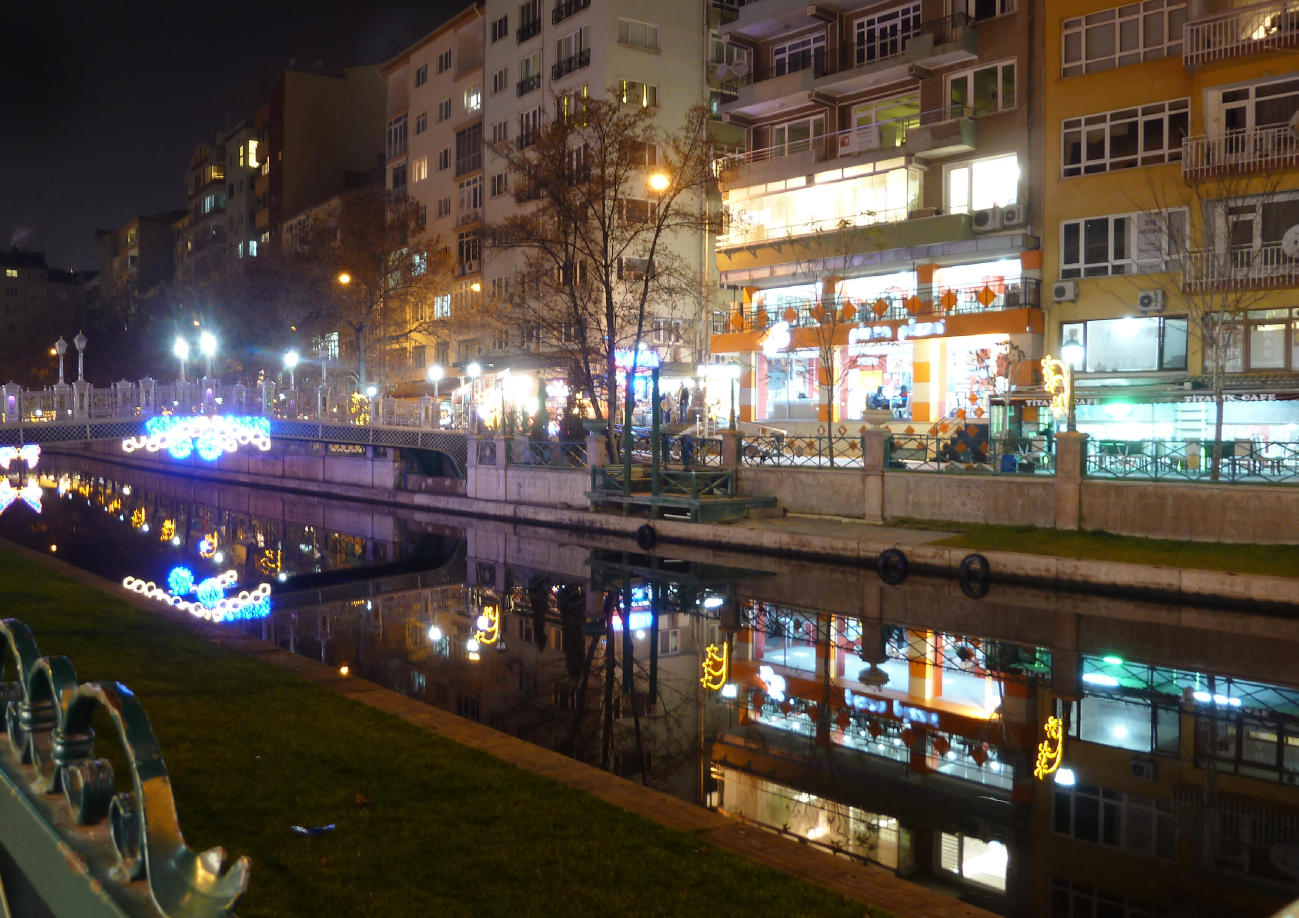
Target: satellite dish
pixel 740 68
pixel 722 72
pixel 1290 242
pixel 1293 124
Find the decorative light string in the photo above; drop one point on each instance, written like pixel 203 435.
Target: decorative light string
pixel 212 604
pixel 209 436
pixel 30 494
pixel 30 454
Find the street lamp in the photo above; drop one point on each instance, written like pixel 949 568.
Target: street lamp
pixel 61 347
pixel 79 343
pixel 473 371
pixel 180 347
pixel 659 182
pixel 207 345
pixel 435 374
pixel 291 361
pixel 344 278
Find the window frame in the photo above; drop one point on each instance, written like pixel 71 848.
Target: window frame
pixel 970 107
pixel 1078 27
pixel 1131 263
pixel 651 34
pixel 1165 112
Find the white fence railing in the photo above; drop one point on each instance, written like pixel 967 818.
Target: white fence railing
pixel 1240 266
pixel 1245 30
pixel 1272 147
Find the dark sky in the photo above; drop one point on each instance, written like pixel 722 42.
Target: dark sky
pixel 101 103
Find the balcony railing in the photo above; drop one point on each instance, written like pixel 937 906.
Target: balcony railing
pixel 1246 30
pixel 470 163
pixel 851 55
pixel 1244 266
pixel 569 64
pixel 527 30
pixel 567 8
pixel 740 232
pixel 894 306
pixel 472 215
pixel 1274 146
pixel 879 135
pixel 525 139
pixel 528 84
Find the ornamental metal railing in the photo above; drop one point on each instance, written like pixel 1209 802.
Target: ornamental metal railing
pixel 960 450
pixel 79 845
pixel 1240 461
pixel 1244 266
pixel 1274 146
pixel 1254 29
pixel 804 452
pixel 551 454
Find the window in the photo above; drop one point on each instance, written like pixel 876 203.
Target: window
pixel 633 92
pixel 529 20
pixel 500 185
pixel 444 61
pixel 500 80
pixel 471 194
pixel 500 28
pixel 796 136
pixel 635 210
pixel 469 149
pixel 529 73
pixel 638 34
pixel 978 10
pixel 529 125
pixel 1122 139
pixel 1130 822
pixel 798 54
pixel 419 169
pixel 1134 344
pixel 983 183
pixel 1122 35
pixel 473 97
pixel 252 247
pixel 981 862
pixel 398 177
pixel 500 132
pixel 1135 243
pixel 572 52
pixel 397 137
pixel 444 207
pixel 11 272
pixel 983 90
pixel 419 263
pixel 1074 900
pixel 1265 339
pixel 444 159
pixel 885 35
pixel 570 105
pixel 669 641
pixel 444 110
pixel 421 75
pixel 421 123
pixel 467 250
pixel 644 154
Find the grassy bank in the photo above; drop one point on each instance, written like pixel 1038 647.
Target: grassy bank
pixel 440 829
pixel 1096 545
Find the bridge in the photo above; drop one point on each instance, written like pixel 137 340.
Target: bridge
pixel 80 413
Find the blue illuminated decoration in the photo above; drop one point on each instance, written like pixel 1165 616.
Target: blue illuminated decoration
pixel 209 436
pixel 209 592
pixel 30 494
pixel 212 604
pixel 180 580
pixel 30 454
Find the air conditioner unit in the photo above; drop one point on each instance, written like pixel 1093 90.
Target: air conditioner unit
pixel 1014 215
pixel 1143 769
pixel 1150 301
pixel 1064 291
pixel 986 220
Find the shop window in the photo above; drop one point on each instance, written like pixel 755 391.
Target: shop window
pixel 983 183
pixel 1132 344
pixel 1267 339
pixel 981 862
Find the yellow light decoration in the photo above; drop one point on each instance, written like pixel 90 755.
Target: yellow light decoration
pixel 269 562
pixel 167 531
pixel 489 625
pixel 1050 752
pixel 1058 382
pixel 137 517
pixel 208 546
pixel 716 667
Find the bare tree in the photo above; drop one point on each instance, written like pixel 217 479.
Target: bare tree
pixel 607 193
pixel 1221 227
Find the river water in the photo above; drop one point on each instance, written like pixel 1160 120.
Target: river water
pixel 900 725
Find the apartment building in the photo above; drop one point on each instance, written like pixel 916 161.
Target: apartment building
pixel 201 233
pixel 1172 198
pixel 243 146
pixel 37 305
pixel 139 256
pixel 434 155
pixel 884 198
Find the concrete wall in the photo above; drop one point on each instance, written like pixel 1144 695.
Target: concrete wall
pixel 529 485
pixel 1203 512
pixel 1000 499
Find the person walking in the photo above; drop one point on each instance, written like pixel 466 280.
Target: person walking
pixel 683 404
pixel 665 406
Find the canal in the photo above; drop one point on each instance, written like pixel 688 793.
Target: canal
pixel 900 725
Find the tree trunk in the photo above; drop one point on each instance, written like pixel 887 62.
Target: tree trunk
pixel 358 336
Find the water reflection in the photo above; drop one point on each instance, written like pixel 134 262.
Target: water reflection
pixel 894 725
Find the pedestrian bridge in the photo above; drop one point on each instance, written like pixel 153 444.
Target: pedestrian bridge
pixel 80 413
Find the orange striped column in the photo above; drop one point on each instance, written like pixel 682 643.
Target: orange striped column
pixel 922 377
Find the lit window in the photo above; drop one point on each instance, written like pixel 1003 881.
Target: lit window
pixel 983 90
pixel 252 247
pixel 11 272
pixel 983 183
pixel 473 97
pixel 634 92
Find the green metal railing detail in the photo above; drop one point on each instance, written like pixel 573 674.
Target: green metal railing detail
pixel 47 716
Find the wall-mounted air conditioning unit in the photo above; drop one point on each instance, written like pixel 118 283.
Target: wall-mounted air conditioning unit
pixel 1143 769
pixel 986 220
pixel 1014 215
pixel 1150 301
pixel 1064 291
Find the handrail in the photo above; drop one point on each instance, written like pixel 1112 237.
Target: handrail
pixel 1273 146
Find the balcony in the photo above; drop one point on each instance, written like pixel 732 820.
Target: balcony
pixel 567 8
pixel 939 132
pixel 569 64
pixel 528 84
pixel 525 139
pixel 527 30
pixel 468 216
pixel 1244 267
pixel 1274 146
pixel 894 306
pixel 854 67
pixel 1254 29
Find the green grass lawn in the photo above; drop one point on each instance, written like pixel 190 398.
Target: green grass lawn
pixel 1096 545
pixel 447 831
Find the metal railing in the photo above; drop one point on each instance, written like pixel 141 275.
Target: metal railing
pixel 567 8
pixel 528 29
pixel 569 64
pixel 1264 265
pixel 805 452
pixel 959 451
pixel 1245 30
pixel 527 85
pixel 1192 460
pixel 893 306
pixel 1273 146
pixel 546 453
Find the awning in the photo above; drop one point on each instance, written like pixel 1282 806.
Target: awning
pixel 1039 398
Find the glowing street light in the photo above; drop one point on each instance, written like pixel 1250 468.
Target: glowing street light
pixel 207 345
pixel 435 374
pixel 291 361
pixel 344 278
pixel 659 181
pixel 180 347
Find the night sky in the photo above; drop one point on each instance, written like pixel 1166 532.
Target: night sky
pixel 101 103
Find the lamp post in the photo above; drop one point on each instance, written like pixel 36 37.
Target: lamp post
pixel 435 373
pixel 179 347
pixel 207 345
pixel 79 343
pixel 473 371
pixel 61 347
pixel 290 362
pixel 733 371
